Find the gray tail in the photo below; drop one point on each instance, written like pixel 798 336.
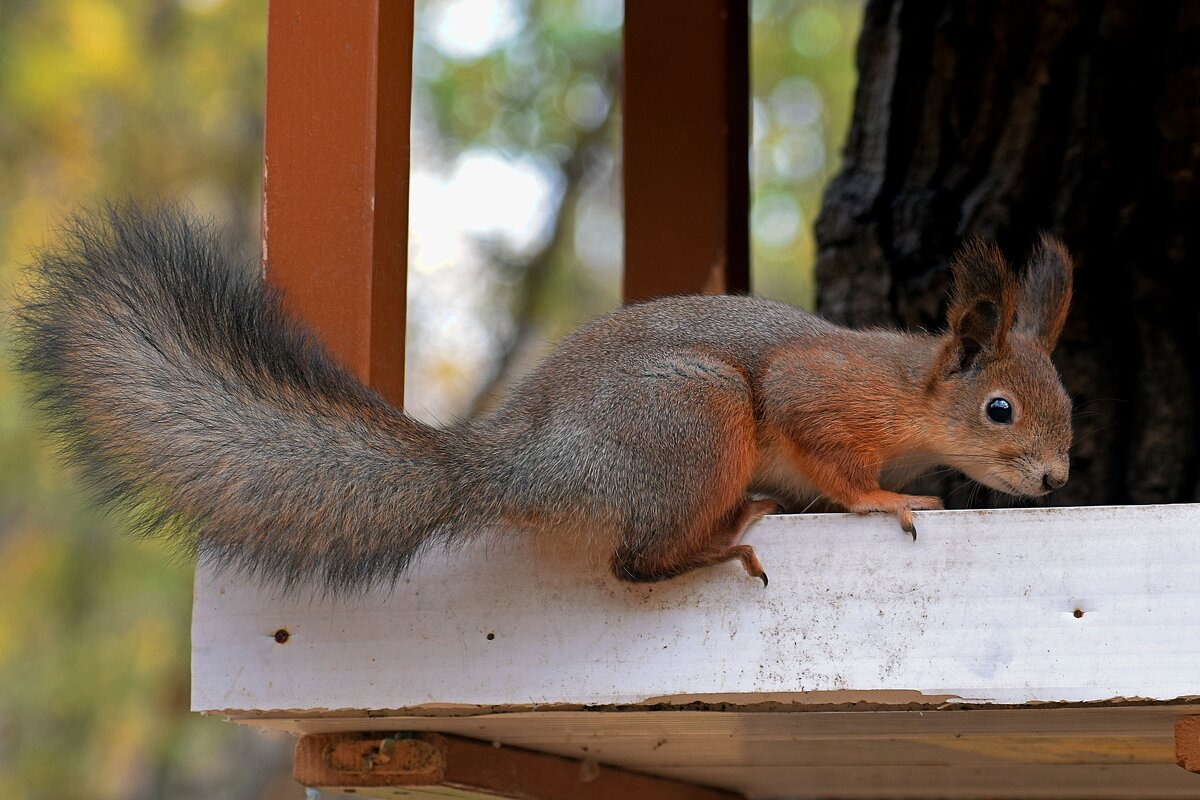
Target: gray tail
pixel 185 394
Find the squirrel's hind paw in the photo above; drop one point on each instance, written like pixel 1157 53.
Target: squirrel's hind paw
pixel 745 553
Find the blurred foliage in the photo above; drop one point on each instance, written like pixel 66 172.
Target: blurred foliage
pixel 802 85
pixel 105 99
pixel 541 98
pixel 163 98
pixel 540 91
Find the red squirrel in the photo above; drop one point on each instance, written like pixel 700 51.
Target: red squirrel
pixel 186 394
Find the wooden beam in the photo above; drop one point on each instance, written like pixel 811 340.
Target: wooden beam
pixel 1187 743
pixel 1036 653
pixel 339 762
pixel 335 175
pixel 686 147
pixel 1093 751
pixel 1046 605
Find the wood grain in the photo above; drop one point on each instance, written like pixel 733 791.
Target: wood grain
pixel 475 769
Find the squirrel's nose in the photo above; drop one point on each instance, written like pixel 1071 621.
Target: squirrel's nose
pixel 1052 482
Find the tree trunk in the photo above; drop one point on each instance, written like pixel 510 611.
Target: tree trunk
pixel 1002 118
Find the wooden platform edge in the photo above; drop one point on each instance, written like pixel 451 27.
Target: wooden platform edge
pixel 1046 606
pixel 855 702
pixel 338 762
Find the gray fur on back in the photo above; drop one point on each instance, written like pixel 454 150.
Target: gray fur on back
pixel 186 395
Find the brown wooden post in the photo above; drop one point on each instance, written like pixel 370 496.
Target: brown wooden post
pixel 335 175
pixel 686 147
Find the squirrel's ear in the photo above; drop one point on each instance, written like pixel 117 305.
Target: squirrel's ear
pixel 981 306
pixel 1045 292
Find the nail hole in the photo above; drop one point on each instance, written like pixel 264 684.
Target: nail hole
pixel 282 635
pixel 1078 613
pixel 491 636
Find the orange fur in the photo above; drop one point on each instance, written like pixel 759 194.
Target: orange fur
pixel 844 407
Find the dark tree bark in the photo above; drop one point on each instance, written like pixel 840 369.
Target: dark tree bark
pixel 1001 118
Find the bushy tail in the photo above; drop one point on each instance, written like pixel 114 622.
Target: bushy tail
pixel 184 393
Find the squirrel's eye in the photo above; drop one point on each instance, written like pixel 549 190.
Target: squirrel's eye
pixel 999 410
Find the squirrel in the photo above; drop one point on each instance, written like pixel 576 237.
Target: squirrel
pixel 185 393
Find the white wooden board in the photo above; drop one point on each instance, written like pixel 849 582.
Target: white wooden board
pixel 981 610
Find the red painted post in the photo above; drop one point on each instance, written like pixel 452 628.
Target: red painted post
pixel 686 147
pixel 335 175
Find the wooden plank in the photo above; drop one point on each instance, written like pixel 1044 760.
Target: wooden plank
pixel 473 768
pixel 335 175
pixel 981 609
pixel 1023 752
pixel 1012 781
pixel 686 143
pixel 871 665
pixel 704 736
pixel 1187 743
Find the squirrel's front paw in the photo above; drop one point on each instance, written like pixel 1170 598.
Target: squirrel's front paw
pixel 902 505
pixel 915 503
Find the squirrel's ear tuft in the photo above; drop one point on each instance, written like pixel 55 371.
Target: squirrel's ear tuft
pixel 982 304
pixel 1045 292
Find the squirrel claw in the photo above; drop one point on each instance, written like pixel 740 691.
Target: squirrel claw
pixel 745 553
